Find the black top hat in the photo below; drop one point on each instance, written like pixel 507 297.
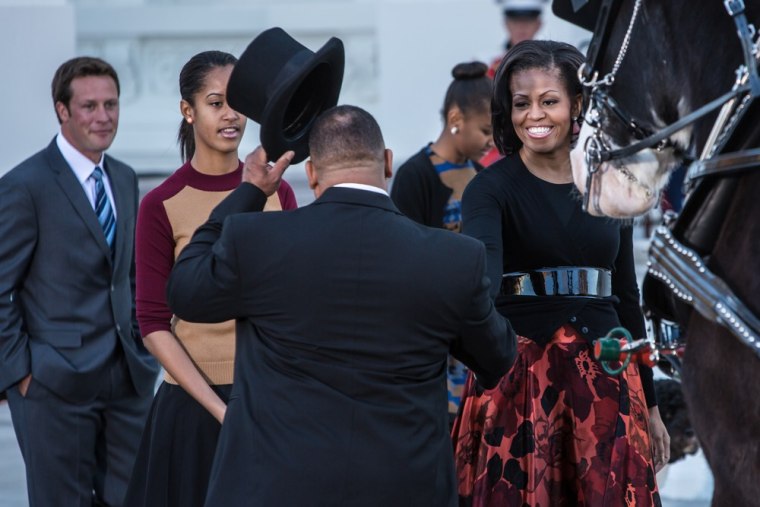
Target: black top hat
pixel 582 13
pixel 284 86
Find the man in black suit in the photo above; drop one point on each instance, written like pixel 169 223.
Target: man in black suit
pixel 346 313
pixel 78 379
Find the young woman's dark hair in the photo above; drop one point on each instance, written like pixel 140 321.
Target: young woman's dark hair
pixel 81 66
pixel 470 90
pixel 191 80
pixel 529 54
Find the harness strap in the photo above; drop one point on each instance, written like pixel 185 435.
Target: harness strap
pixel 671 129
pixel 726 165
pixel 736 9
pixel 610 103
pixel 682 270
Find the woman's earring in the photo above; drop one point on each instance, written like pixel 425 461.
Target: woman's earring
pixel 576 129
pixel 454 130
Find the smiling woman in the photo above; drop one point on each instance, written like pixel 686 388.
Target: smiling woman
pixel 542 116
pixel 557 429
pixel 179 441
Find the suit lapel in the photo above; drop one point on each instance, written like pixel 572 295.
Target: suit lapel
pixel 73 190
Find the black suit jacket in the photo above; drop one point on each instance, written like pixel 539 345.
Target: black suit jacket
pixel 65 302
pixel 346 313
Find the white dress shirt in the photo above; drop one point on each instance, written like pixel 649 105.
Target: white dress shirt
pixel 83 167
pixel 362 186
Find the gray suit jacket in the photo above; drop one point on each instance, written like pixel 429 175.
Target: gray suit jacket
pixel 67 305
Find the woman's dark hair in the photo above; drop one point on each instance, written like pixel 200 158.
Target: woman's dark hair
pixel 192 77
pixel 81 66
pixel 471 89
pixel 529 54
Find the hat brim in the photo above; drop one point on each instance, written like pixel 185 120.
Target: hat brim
pixel 582 13
pixel 522 13
pixel 292 108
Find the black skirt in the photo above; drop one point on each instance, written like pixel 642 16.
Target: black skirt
pixel 173 463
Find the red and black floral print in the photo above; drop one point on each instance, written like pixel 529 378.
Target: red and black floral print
pixel 557 430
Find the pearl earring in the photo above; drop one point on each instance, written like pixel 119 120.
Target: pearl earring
pixel 454 130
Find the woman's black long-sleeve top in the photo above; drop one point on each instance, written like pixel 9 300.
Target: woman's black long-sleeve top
pixel 527 223
pixel 418 191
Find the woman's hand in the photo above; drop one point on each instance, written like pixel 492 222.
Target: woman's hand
pixel 660 439
pixel 219 412
pixel 175 359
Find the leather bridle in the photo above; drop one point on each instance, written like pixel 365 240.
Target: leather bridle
pixel 597 97
pixel 677 266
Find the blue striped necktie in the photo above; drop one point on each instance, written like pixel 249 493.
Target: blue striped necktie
pixel 103 207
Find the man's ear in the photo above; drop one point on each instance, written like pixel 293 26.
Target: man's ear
pixel 388 163
pixel 311 174
pixel 62 111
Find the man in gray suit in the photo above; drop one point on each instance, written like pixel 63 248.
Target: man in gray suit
pixel 78 380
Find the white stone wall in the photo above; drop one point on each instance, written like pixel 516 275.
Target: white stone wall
pixel 35 37
pixel 399 54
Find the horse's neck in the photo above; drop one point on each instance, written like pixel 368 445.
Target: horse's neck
pixel 738 247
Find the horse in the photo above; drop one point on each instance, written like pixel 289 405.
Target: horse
pixel 669 83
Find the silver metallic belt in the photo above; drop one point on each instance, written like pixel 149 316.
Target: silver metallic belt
pixel 563 281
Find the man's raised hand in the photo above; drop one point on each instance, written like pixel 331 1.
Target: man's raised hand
pixel 259 172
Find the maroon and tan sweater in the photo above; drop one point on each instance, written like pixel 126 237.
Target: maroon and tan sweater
pixel 166 221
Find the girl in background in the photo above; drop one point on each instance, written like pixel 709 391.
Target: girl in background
pixel 428 187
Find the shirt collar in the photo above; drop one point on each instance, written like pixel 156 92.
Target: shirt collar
pixel 81 165
pixel 362 186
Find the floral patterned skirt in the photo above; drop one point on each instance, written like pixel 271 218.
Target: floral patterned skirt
pixel 557 430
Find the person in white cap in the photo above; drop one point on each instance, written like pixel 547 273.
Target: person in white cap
pixel 522 21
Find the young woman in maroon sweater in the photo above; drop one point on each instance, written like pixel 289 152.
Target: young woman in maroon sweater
pixel 174 461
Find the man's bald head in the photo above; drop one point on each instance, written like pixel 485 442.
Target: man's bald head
pixel 346 137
